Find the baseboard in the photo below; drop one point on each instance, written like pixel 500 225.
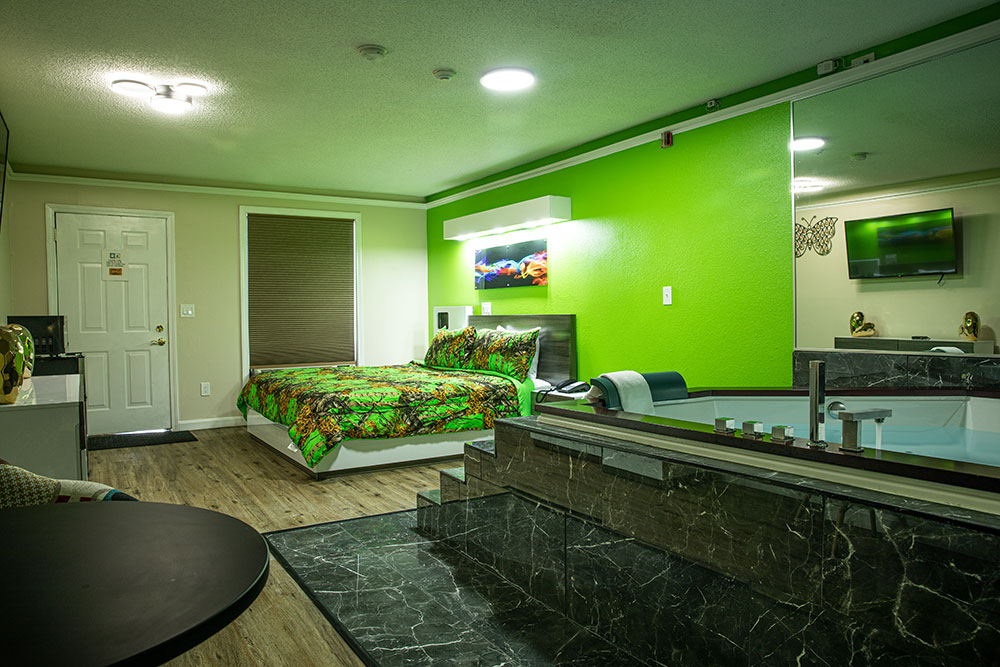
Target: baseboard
pixel 215 422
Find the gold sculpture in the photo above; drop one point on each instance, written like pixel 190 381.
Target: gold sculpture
pixel 861 328
pixel 11 364
pixel 970 326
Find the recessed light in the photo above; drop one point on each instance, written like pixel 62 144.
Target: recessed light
pixel 805 184
pixel 508 79
pixel 191 89
pixel 169 100
pixel 131 87
pixel 806 144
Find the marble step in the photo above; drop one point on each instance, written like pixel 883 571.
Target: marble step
pixel 428 498
pixel 453 484
pixel 487 446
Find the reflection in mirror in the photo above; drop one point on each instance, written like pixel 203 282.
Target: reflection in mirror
pixel 916 140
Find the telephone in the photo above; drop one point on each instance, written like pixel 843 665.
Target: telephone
pixel 571 387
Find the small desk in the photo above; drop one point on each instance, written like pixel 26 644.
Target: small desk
pixel 121 583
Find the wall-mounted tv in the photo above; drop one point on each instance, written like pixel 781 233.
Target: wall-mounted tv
pixel 908 244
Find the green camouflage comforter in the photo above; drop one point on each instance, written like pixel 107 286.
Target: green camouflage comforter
pixel 322 406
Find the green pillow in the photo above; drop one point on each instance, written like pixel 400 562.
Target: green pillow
pixel 451 348
pixel 507 352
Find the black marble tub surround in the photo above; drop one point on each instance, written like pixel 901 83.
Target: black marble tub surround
pixel 708 562
pixel 888 370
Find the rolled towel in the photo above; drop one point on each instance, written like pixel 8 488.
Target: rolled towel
pixel 948 349
pixel 633 390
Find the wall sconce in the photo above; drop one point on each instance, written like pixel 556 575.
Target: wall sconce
pixel 522 215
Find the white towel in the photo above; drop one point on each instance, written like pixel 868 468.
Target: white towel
pixel 948 349
pixel 633 391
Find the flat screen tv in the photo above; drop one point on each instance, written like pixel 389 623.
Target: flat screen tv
pixel 908 244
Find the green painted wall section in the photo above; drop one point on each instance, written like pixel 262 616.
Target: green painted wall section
pixel 710 217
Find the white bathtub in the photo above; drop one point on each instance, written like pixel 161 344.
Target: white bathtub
pixel 960 428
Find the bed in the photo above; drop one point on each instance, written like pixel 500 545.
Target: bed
pixel 376 409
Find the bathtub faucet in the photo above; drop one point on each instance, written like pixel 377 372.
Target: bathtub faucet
pixel 852 425
pixel 817 404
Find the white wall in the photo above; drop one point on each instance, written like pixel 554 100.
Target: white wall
pixel 393 302
pixel 902 307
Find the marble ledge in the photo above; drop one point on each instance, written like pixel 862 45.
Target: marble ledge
pixel 553 434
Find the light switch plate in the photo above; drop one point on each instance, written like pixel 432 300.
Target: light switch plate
pixel 487 308
pixel 206 389
pixel 187 310
pixel 668 296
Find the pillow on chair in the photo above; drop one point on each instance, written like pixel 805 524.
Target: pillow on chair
pixel 22 488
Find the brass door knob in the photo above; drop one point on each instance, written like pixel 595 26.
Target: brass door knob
pixel 158 341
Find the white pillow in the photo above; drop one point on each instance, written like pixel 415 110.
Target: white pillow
pixel 540 384
pixel 533 370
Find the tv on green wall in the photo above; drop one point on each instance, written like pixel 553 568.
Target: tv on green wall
pixel 513 265
pixel 908 244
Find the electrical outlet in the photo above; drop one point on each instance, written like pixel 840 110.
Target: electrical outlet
pixel 668 296
pixel 486 308
pixel 826 67
pixel 206 388
pixel 863 60
pixel 187 310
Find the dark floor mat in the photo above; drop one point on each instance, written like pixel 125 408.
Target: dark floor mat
pixel 118 440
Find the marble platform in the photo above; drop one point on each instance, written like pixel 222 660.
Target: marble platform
pixel 899 370
pixel 401 598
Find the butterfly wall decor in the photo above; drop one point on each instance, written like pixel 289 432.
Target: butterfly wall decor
pixel 818 236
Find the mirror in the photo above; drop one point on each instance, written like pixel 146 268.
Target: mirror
pixel 918 139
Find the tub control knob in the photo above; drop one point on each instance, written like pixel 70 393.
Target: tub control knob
pixel 783 435
pixel 753 430
pixel 725 425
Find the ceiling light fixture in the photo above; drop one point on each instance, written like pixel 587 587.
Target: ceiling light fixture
pixel 508 79
pixel 807 144
pixel 169 100
pixel 805 184
pixel 175 98
pixel 372 51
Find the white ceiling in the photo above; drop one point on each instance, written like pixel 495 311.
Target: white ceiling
pixel 297 108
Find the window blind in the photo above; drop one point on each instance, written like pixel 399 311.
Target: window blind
pixel 300 278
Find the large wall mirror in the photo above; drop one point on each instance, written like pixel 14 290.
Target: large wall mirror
pixel 920 139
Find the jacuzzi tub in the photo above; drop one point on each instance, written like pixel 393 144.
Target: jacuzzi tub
pixel 959 428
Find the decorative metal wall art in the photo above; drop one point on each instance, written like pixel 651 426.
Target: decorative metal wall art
pixel 861 328
pixel 818 236
pixel 969 330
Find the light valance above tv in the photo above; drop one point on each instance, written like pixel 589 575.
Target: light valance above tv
pixel 522 215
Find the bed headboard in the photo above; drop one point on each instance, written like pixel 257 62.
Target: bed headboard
pixel 556 340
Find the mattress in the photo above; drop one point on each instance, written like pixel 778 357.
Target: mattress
pixel 324 406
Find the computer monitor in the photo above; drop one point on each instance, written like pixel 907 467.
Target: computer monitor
pixel 48 331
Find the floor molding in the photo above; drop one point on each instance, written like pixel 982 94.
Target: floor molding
pixel 215 422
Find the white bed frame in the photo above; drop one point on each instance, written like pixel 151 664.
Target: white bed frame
pixel 354 455
pixel 557 362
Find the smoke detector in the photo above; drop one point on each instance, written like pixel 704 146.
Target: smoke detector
pixel 371 51
pixel 444 74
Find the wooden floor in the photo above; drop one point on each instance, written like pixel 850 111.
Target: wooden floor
pixel 228 471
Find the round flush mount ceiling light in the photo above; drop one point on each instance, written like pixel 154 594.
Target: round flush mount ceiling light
pixel 804 184
pixel 168 100
pixel 508 79
pixel 131 88
pixel 807 144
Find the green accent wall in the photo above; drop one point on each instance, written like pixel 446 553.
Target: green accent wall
pixel 710 216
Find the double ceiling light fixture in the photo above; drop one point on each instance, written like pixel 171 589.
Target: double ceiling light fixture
pixel 174 98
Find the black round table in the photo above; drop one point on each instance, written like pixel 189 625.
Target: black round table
pixel 121 583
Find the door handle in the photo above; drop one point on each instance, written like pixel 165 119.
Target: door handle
pixel 159 341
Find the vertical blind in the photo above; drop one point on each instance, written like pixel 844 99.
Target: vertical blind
pixel 300 275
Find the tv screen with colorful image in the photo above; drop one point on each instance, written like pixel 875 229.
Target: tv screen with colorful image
pixel 908 244
pixel 515 265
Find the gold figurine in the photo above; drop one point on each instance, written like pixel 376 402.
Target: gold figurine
pixel 861 328
pixel 970 326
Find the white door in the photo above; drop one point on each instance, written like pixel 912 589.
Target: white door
pixel 112 289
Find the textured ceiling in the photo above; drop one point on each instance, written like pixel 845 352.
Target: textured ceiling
pixel 295 106
pixel 931 120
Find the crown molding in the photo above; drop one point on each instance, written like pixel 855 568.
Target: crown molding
pixel 209 190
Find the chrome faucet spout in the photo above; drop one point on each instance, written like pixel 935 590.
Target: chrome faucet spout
pixel 817 404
